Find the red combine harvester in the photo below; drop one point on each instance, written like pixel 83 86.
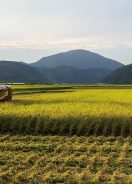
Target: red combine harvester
pixel 5 93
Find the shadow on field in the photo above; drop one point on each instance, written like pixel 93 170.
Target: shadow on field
pixel 24 92
pixel 41 89
pixel 61 101
pixel 124 104
pixel 73 125
pixel 35 101
pixel 44 101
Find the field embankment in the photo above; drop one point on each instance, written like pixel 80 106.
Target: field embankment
pixel 33 89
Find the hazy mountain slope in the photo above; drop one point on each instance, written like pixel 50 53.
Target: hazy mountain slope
pixel 120 76
pixel 77 66
pixel 11 71
pixel 79 59
pixel 66 74
pixel 19 72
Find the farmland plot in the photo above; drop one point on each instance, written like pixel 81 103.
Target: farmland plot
pixel 66 135
pixel 78 112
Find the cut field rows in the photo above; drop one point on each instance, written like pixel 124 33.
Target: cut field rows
pixel 62 159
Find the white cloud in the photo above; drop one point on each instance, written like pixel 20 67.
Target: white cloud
pixel 66 43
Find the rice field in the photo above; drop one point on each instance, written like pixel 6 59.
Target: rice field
pixel 69 112
pixel 64 159
pixel 51 134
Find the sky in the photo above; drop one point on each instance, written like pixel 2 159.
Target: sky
pixel 31 29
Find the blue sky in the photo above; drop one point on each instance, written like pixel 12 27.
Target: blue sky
pixel 31 29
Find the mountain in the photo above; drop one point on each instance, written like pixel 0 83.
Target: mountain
pixel 77 66
pixel 67 74
pixel 11 71
pixel 79 59
pixel 120 76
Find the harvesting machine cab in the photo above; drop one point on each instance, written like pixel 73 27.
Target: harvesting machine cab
pixel 5 93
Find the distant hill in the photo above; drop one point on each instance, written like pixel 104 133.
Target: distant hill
pixel 79 59
pixel 11 71
pixel 78 66
pixel 19 72
pixel 120 76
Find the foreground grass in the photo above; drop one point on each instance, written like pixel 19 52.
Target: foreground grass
pixel 63 159
pixel 82 112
